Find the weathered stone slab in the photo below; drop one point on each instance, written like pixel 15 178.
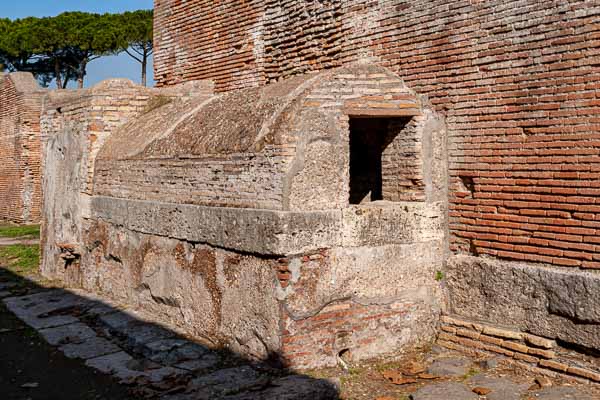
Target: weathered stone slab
pixel 119 319
pixel 561 393
pixel 72 333
pixel 548 302
pixel 227 381
pixel 100 309
pixel 173 351
pixel 444 391
pixel 89 348
pixel 450 367
pixel 7 285
pixel 281 232
pixel 119 364
pixel 501 388
pixel 293 387
pixel 46 309
pixel 208 361
pixel 139 333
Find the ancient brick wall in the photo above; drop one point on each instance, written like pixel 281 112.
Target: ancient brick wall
pixel 219 46
pixel 517 81
pixel 20 140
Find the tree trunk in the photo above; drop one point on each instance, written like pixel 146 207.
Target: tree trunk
pixel 57 74
pixel 81 74
pixel 144 66
pixel 66 79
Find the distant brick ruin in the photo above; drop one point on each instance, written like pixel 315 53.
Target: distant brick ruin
pixel 315 180
pixel 20 149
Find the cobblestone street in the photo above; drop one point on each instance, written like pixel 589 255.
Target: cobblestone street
pixel 52 338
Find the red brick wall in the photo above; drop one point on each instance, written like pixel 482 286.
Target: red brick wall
pixel 20 170
pixel 517 80
pixel 203 39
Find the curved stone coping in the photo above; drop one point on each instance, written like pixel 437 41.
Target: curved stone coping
pixel 273 232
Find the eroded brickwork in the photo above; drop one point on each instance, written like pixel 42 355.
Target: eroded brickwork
pixel 517 81
pixel 20 142
pixel 537 354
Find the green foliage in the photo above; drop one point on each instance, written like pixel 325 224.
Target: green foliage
pixel 137 30
pixel 439 275
pixel 19 231
pixel 472 372
pixel 21 258
pixel 61 47
pixel 157 102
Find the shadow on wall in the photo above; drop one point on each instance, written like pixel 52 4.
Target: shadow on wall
pixel 149 360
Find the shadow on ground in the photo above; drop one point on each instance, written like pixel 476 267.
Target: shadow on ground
pixel 67 344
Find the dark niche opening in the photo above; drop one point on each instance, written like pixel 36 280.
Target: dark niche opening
pixel 372 158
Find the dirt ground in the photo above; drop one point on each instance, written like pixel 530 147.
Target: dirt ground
pixel 373 380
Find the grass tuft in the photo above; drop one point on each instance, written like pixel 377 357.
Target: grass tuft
pixel 157 102
pixel 18 231
pixel 472 372
pixel 20 259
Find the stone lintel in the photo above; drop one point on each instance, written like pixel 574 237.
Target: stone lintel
pixel 273 232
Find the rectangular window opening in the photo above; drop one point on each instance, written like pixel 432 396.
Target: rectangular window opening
pixel 373 157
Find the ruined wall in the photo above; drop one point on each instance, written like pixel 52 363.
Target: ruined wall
pixel 517 81
pixel 76 125
pixel 518 84
pixel 228 216
pixel 20 153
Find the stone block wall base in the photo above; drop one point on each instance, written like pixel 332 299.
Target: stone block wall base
pixel 534 353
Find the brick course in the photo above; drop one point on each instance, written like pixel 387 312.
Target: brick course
pixel 534 352
pixel 516 79
pixel 20 141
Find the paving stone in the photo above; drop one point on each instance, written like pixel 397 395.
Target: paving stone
pixel 99 310
pixel 164 345
pixel 444 391
pixel 118 364
pixel 140 333
pixel 7 285
pixel 501 388
pixel 46 309
pixel 173 351
pixel 207 361
pixel 72 333
pixel 453 366
pixel 90 348
pixel 295 387
pixel 561 393
pixel 119 319
pixel 227 381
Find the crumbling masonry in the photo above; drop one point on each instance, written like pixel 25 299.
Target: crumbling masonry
pixel 320 179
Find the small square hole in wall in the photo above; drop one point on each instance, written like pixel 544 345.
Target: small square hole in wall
pixel 372 157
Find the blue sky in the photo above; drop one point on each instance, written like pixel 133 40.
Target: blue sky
pixel 121 66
